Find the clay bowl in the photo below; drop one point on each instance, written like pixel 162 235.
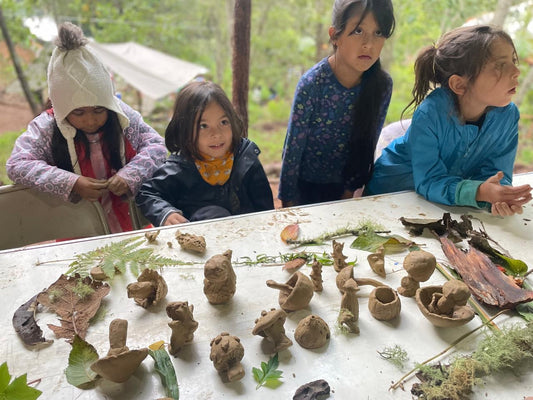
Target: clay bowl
pixel 423 298
pixel 384 303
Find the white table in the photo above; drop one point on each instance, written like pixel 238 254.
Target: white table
pixel 350 363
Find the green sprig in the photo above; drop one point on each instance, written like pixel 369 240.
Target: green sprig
pixel 268 375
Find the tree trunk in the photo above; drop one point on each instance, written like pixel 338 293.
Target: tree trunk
pixel 241 58
pixel 501 12
pixel 20 74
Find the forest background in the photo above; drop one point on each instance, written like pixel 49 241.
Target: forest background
pixel 287 38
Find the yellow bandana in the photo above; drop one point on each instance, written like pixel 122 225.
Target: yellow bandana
pixel 215 171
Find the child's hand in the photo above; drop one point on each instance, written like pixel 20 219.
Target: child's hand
pixel 504 209
pixel 505 200
pixel 175 219
pixel 117 185
pixel 89 188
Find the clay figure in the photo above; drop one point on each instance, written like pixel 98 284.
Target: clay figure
pixel 98 274
pixel 151 236
pixel 149 289
pixel 316 390
pixel 349 313
pixel 316 276
pixel 377 261
pixel 339 259
pixel 296 293
pixel 183 325
pixel 312 332
pixel 428 298
pixel 226 354
pixel 191 242
pixel 220 279
pixel 342 277
pixel 270 326
pixel 120 362
pixel 384 303
pixel 419 265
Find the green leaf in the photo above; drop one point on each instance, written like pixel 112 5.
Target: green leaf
pixel 371 241
pixel 165 368
pixel 79 372
pixel 18 389
pixel 268 375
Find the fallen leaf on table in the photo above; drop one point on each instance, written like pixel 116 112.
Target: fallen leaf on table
pixel 290 233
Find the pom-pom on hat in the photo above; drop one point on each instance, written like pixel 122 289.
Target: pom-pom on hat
pixel 77 78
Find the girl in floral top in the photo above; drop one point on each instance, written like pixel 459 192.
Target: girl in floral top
pixel 339 108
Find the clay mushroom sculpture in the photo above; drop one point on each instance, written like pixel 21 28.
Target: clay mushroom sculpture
pixel 296 293
pixel 226 354
pixel 183 325
pixel 120 362
pixel 419 265
pixel 149 289
pixel 312 332
pixel 191 242
pixel 349 313
pixel 220 279
pixel 270 326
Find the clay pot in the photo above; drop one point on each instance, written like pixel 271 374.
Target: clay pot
pixel 296 293
pixel 384 303
pixel 460 316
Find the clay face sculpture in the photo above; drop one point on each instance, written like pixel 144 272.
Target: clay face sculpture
pixel 149 289
pixel 377 262
pixel 226 354
pixel 296 293
pixel 220 279
pixel 349 313
pixel 316 276
pixel 270 326
pixel 120 362
pixel 339 259
pixel 183 325
pixel 384 303
pixel 312 332
pixel 191 242
pixel 419 266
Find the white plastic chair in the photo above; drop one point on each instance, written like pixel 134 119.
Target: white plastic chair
pixel 28 216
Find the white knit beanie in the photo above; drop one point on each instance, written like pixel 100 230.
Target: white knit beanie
pixel 77 78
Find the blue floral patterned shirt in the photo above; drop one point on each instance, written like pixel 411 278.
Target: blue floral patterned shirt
pixel 316 147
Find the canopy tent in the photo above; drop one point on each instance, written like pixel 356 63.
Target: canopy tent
pixel 153 73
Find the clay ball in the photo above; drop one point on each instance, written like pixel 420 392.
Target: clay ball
pixel 312 332
pixel 420 265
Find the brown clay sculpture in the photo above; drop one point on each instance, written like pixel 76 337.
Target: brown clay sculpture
pixel 149 289
pixel 419 265
pixel 316 276
pixel 312 332
pixel 97 273
pixel 384 303
pixel 120 362
pixel 151 236
pixel 339 259
pixel 191 242
pixel 183 325
pixel 342 277
pixel 270 326
pixel 349 313
pixel 452 297
pixel 296 293
pixel 220 279
pixel 316 390
pixel 226 354
pixel 377 261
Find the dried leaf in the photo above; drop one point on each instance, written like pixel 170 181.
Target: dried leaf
pixel 75 309
pixel 290 233
pixel 294 264
pixel 26 326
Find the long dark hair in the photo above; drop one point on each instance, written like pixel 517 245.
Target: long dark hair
pixel 366 112
pixel 193 98
pixel 112 135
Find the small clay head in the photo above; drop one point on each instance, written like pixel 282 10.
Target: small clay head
pixel 420 265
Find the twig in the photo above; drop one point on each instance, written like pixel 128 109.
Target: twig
pixel 451 346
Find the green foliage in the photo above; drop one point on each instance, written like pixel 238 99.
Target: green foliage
pixel 165 369
pixel 324 258
pixel 268 375
pixel 7 141
pixel 17 389
pixel 115 257
pixel 80 358
pixel 82 290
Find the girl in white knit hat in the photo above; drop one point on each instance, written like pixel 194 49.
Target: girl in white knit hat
pixel 90 144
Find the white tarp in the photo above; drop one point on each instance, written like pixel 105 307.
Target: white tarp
pixel 153 73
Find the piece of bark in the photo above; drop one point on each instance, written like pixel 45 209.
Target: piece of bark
pixel 316 390
pixel 486 282
pixel 26 326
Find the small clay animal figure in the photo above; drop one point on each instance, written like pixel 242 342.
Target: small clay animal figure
pixel 296 293
pixel 183 325
pixel 377 261
pixel 191 242
pixel 339 259
pixel 349 313
pixel 316 276
pixel 149 289
pixel 419 265
pixel 312 332
pixel 220 279
pixel 316 390
pixel 226 354
pixel 270 326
